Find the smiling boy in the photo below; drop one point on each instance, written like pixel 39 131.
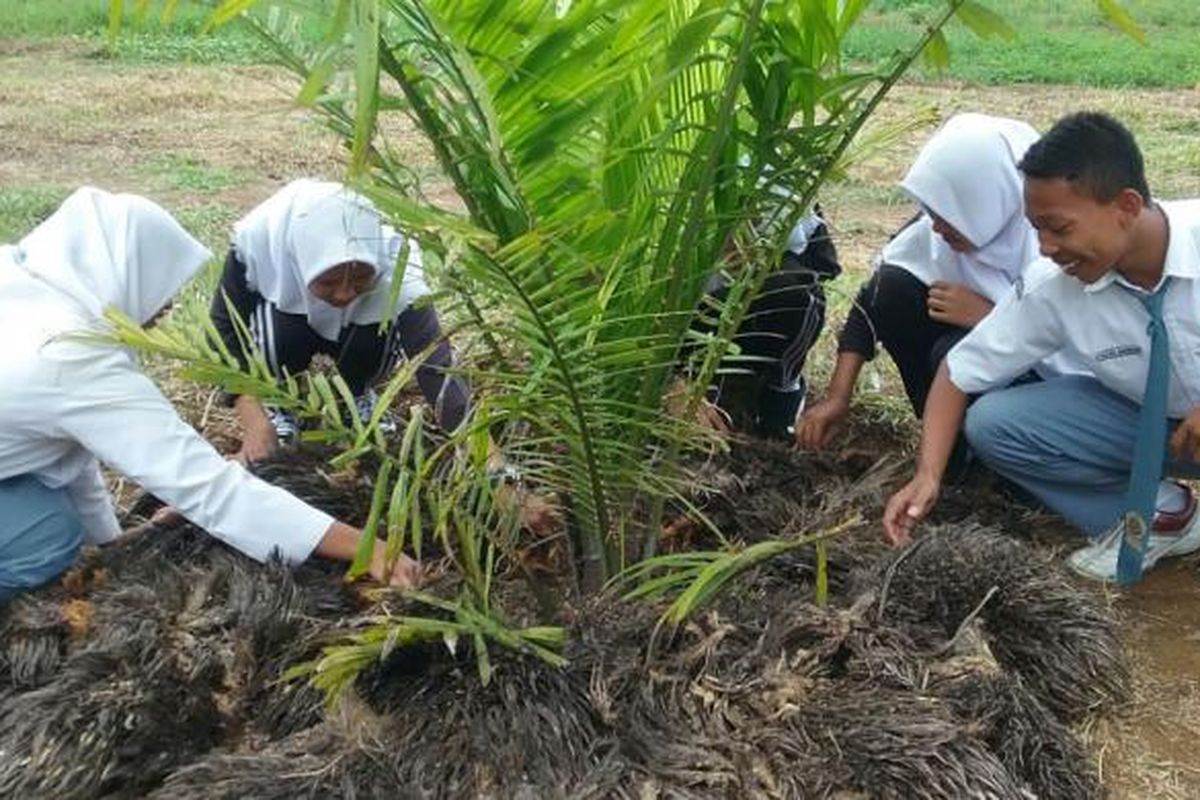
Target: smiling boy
pixel 1120 272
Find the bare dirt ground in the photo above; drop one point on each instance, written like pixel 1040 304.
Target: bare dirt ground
pixel 214 141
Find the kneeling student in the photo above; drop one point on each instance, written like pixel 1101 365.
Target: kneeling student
pixel 310 271
pixel 944 271
pixel 1125 299
pixel 70 403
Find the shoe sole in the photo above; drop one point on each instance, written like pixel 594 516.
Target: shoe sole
pixel 1182 547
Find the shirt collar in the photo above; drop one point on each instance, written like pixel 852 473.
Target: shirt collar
pixel 1182 260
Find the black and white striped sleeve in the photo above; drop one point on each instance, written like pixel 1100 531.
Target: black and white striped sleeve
pixel 234 293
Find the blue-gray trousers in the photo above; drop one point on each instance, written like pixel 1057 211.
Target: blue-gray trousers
pixel 1068 441
pixel 40 534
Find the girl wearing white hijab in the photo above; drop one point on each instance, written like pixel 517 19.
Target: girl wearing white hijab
pixel 310 271
pixel 69 403
pixel 944 271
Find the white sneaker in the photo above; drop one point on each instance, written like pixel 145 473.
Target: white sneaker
pixel 1099 559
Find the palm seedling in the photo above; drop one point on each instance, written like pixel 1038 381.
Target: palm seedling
pixel 610 155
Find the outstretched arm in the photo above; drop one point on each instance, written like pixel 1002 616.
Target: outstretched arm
pixel 944 411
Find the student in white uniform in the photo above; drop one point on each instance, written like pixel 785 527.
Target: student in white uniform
pixel 69 404
pixel 944 271
pixel 1070 440
pixel 310 271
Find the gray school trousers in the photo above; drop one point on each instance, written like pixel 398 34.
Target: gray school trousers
pixel 40 534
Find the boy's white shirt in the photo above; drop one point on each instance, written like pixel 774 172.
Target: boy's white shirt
pixel 68 404
pixel 1101 327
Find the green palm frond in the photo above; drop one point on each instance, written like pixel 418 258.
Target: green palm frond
pixel 609 154
pixel 697 577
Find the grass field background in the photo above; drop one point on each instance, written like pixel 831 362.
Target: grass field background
pixel 1064 41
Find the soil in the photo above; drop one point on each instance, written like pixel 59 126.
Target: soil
pixel 68 119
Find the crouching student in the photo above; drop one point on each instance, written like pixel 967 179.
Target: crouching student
pixel 1125 297
pixel 70 403
pixel 310 271
pixel 943 272
pixel 765 394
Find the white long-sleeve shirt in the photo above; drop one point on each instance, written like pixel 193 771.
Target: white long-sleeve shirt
pixel 66 405
pixel 74 404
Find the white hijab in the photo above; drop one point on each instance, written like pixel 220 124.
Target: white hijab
pixel 967 175
pixel 306 228
pixel 100 250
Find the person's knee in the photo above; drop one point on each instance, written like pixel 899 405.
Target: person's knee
pixel 41 550
pixel 898 298
pixel 989 424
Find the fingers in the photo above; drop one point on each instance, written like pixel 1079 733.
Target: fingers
pixel 937 304
pixel 897 522
pixel 714 417
pixel 1177 442
pixel 167 515
pixel 906 509
pixel 406 574
pixel 811 433
pixel 818 425
pixel 540 515
pixel 1185 443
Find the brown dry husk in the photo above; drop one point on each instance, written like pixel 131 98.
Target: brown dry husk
pixel 948 670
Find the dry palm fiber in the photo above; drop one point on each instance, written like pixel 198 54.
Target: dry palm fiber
pixel 122 711
pixel 33 637
pixel 762 695
pixel 766 490
pixel 173 655
pixel 759 708
pixel 1028 739
pixel 349 757
pixel 1058 639
pixel 440 734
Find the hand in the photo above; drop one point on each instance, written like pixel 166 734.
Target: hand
pixel 257 444
pixel 712 416
pixel 166 516
pixel 820 422
pixel 537 513
pixel 907 507
pixel 955 304
pixel 708 414
pixel 405 573
pixel 1185 441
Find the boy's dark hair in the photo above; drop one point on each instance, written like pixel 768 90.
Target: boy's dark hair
pixel 1093 152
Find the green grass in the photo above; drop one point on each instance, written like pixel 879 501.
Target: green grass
pixel 1065 41
pixel 23 207
pixel 186 173
pixel 144 38
pixel 211 223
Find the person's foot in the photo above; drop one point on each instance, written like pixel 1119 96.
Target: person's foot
pixel 365 405
pixel 1171 535
pixel 778 409
pixel 1168 522
pixel 286 426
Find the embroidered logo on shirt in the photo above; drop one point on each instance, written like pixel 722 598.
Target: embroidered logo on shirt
pixel 1120 351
